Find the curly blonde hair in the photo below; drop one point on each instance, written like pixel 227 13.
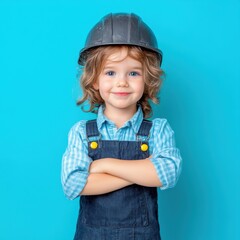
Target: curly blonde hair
pixel 95 61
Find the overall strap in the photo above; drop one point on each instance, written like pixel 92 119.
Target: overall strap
pixel 145 127
pixel 92 129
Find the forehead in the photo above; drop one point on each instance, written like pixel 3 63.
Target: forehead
pixel 117 55
pixel 121 56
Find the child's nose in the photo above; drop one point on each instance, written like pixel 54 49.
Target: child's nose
pixel 122 81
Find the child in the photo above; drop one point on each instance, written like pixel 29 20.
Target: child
pixel 116 161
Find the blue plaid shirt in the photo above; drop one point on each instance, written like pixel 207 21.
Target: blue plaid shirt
pixel 166 157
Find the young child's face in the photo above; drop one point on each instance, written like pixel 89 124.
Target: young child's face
pixel 121 82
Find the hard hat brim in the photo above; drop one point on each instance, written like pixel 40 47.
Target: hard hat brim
pixel 83 53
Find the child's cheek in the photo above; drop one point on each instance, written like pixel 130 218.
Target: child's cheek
pixel 106 85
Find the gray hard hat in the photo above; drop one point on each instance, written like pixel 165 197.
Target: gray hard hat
pixel 120 29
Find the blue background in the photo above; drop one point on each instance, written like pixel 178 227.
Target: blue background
pixel 39 46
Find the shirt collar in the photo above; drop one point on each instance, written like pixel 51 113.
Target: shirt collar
pixel 101 118
pixel 134 122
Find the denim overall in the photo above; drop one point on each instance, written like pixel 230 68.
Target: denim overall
pixel 130 213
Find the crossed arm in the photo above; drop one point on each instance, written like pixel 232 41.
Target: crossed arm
pixel 106 175
pixel 109 174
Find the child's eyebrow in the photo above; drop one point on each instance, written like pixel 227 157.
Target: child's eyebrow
pixel 108 66
pixel 130 67
pixel 139 68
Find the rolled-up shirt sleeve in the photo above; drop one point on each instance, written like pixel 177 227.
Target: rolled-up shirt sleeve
pixel 165 156
pixel 75 162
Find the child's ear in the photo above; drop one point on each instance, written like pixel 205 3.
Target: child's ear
pixel 95 86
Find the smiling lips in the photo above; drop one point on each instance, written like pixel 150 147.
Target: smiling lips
pixel 121 94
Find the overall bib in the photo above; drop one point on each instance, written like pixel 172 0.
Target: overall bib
pixel 130 213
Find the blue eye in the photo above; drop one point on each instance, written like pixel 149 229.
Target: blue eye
pixel 133 74
pixel 110 73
